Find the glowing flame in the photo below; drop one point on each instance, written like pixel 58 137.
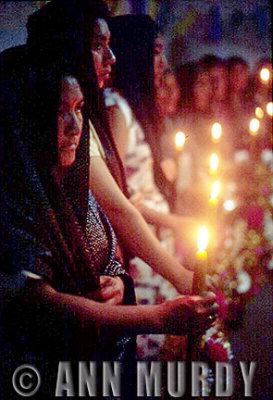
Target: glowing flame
pixel 215 190
pixel 216 132
pixel 254 126
pixel 214 162
pixel 180 139
pixel 203 239
pixel 265 74
pixel 269 108
pixel 259 112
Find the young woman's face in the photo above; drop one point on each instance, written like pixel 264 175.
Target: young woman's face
pixel 70 121
pixel 103 56
pixel 167 95
pixel 160 61
pixel 219 79
pixel 202 91
pixel 239 77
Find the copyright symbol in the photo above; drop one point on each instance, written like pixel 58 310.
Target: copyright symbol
pixel 26 380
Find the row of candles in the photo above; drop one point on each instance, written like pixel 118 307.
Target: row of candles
pixel 203 235
pixel 216 134
pixel 254 125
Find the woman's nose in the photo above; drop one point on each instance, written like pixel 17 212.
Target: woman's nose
pixel 164 61
pixel 110 57
pixel 73 125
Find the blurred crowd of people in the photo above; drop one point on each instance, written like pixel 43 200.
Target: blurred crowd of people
pixel 193 98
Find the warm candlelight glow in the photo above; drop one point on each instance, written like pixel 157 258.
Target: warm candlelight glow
pixel 269 108
pixel 202 240
pixel 199 284
pixel 180 139
pixel 254 126
pixel 214 162
pixel 214 192
pixel 229 205
pixel 216 132
pixel 259 112
pixel 265 75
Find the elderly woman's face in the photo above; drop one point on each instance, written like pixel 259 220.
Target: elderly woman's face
pixel 103 56
pixel 70 121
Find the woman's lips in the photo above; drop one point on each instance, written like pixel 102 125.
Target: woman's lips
pixel 69 147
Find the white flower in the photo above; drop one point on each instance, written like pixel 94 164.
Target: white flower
pixel 244 282
pixel 241 156
pixel 267 156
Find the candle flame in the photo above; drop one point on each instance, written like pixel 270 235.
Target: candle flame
pixel 180 139
pixel 269 108
pixel 259 112
pixel 254 126
pixel 215 190
pixel 214 162
pixel 265 74
pixel 203 239
pixel 216 132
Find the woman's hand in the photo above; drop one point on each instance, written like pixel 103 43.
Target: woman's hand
pixel 188 314
pixel 110 292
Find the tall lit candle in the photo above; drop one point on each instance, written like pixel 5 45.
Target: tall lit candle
pixel 216 132
pixel 254 126
pixel 214 193
pixel 202 257
pixel 269 108
pixel 259 112
pixel 180 139
pixel 214 163
pixel 265 75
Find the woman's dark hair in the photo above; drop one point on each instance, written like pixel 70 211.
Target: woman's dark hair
pixel 133 39
pixel 60 34
pixel 186 76
pixel 209 61
pixel 233 61
pixel 133 42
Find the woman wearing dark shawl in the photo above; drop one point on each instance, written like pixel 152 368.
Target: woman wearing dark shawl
pixel 44 222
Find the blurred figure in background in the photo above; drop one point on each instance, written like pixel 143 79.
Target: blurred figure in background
pixel 240 98
pixel 167 97
pixel 218 73
pixel 195 123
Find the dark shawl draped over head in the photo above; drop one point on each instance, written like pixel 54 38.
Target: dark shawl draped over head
pixel 60 33
pixel 42 219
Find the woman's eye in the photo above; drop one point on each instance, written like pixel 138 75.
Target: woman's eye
pixel 98 46
pixel 79 109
